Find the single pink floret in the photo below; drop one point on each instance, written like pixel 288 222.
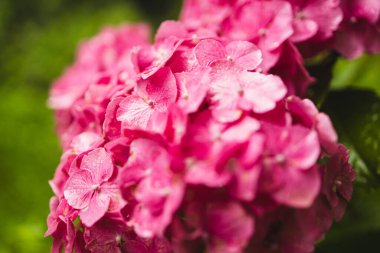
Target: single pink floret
pixel 235 90
pixel 242 54
pixel 147 108
pixel 89 189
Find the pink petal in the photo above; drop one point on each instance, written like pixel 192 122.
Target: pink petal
pixel 79 189
pixel 134 112
pixel 230 226
pixel 205 173
pixel 303 29
pixel 242 131
pixel 100 165
pixel 300 189
pixel 160 54
pixel 171 28
pixel 244 54
pixel 304 149
pixel 245 183
pixel 145 156
pixel 254 150
pixel 226 115
pixel 158 204
pixel 111 126
pixel 224 85
pixel 162 88
pixel 327 14
pixel 326 133
pixel 208 51
pixel 85 141
pixel 177 124
pixel 303 110
pixel 263 91
pixel 96 209
pixel 366 9
pixel 280 28
pixel 70 87
pixel 193 89
pixel 350 41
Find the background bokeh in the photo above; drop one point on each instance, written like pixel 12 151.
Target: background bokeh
pixel 38 39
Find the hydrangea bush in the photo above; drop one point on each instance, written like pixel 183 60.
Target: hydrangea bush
pixel 204 141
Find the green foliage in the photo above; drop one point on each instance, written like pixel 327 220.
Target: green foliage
pixel 356 117
pixel 359 230
pixel 362 73
pixel 41 44
pixel 37 54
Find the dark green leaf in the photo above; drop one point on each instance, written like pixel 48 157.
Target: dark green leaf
pixel 356 116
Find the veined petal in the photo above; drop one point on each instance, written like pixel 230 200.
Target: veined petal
pixel 134 112
pixel 244 54
pixel 96 209
pixel 78 189
pixel 208 51
pixel 99 163
pixel 263 91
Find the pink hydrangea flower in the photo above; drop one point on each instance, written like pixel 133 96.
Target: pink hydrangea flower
pixel 229 227
pixel 70 87
pixel 307 114
pixel 232 87
pixel 151 59
pixel 287 165
pixel 241 54
pixel 224 225
pixel 89 189
pixel 234 90
pixel 103 51
pixel 338 178
pixel 292 71
pixel 189 144
pixel 158 193
pixel 268 29
pixel 212 146
pixel 315 18
pixel 359 32
pixel 207 14
pixel 147 109
pixel 114 236
pixel 192 88
pixel 60 225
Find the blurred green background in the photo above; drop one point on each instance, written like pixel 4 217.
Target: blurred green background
pixel 38 39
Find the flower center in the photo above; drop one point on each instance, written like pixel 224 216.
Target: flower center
pixel 96 187
pixel 262 32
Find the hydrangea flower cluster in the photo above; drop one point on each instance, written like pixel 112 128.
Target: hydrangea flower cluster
pixel 201 141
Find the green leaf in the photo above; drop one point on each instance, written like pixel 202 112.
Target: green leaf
pixel 360 73
pixel 356 116
pixel 37 51
pixel 38 54
pixel 359 231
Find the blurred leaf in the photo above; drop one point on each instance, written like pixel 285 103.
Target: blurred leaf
pixel 356 116
pixel 322 71
pixel 29 153
pixel 360 73
pixel 359 231
pixel 35 53
pixel 38 54
pixel 159 11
